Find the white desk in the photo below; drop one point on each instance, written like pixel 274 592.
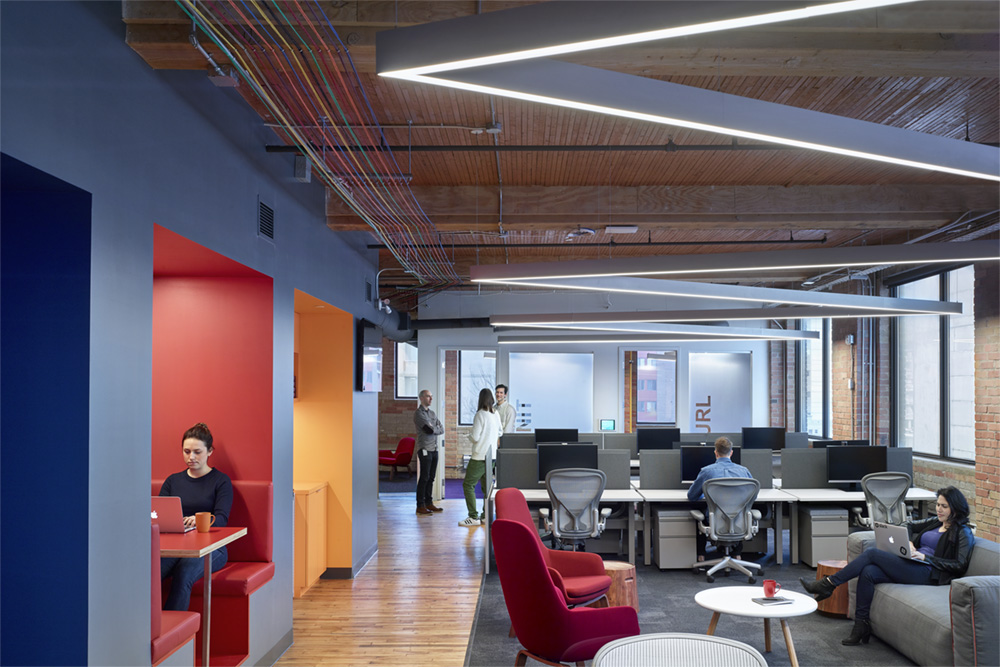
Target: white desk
pixel 537 495
pixel 773 497
pixel 831 495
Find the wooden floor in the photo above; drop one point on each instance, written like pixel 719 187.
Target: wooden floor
pixel 412 604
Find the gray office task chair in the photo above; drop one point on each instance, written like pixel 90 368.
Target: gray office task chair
pixel 678 648
pixel 575 494
pixel 731 520
pixel 885 494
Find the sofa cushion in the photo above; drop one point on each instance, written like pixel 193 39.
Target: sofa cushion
pixel 985 559
pixel 900 614
pixel 237 579
pixel 975 617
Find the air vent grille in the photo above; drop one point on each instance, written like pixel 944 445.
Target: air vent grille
pixel 265 220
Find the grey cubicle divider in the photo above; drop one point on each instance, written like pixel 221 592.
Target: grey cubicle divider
pixel 517 441
pixel 616 467
pixel 760 465
pixel 900 459
pixel 622 441
pixel 794 440
pixel 517 468
pixel 596 438
pixel 803 469
pixel 660 469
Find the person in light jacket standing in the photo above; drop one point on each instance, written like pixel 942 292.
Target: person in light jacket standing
pixel 506 411
pixel 486 430
pixel 428 429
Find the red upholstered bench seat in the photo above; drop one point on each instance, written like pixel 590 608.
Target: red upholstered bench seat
pixel 176 629
pixel 237 579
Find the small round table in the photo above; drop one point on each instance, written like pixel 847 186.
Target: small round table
pixel 623 591
pixel 836 604
pixel 738 600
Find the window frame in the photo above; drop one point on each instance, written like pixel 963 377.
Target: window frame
pixel 800 383
pixel 496 372
pixel 676 361
pixel 943 275
pixel 397 375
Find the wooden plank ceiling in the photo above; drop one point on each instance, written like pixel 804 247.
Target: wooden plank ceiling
pixel 532 191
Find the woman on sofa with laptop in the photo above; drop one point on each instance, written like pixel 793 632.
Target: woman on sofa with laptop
pixel 941 548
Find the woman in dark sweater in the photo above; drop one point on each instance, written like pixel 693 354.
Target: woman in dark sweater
pixel 201 488
pixel 942 547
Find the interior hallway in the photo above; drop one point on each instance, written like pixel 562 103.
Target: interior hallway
pixel 412 604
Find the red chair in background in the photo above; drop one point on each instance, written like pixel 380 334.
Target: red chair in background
pixel 578 574
pixel 400 457
pixel 549 631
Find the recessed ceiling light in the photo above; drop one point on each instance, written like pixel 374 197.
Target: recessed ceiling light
pixel 621 229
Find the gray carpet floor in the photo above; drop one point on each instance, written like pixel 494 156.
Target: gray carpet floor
pixel 666 604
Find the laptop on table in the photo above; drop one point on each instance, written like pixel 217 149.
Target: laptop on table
pixel 168 513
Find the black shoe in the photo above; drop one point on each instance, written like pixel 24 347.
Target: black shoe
pixel 821 589
pixel 860 634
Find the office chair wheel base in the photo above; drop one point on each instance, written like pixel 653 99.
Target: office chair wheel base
pixel 752 580
pixel 710 579
pixel 760 572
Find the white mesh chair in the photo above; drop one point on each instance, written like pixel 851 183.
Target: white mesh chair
pixel 885 495
pixel 677 648
pixel 575 494
pixel 731 519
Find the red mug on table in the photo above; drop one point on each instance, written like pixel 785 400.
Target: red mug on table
pixel 203 521
pixel 771 587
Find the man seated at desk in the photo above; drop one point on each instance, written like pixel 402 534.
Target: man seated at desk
pixel 723 467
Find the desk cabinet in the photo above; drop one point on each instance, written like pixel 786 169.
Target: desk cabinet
pixel 310 534
pixel 674 545
pixel 822 533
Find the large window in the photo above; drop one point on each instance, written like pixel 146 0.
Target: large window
pixel 406 370
pixel 935 376
pixel 814 379
pixel 656 386
pixel 477 370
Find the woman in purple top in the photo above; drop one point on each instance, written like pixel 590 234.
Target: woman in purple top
pixel 942 547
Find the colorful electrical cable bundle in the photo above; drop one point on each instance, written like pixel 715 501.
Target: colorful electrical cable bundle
pixel 295 63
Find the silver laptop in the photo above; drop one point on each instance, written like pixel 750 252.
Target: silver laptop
pixel 168 513
pixel 894 539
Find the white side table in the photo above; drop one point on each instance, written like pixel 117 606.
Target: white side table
pixel 737 600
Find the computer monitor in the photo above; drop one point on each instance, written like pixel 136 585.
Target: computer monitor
pixel 656 438
pixel 763 437
pixel 847 465
pixel 819 444
pixel 553 457
pixel 693 459
pixel 557 435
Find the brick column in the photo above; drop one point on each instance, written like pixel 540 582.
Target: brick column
pixel 987 351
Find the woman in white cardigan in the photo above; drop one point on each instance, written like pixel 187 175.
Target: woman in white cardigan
pixel 486 431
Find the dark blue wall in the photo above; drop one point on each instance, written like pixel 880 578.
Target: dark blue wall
pixel 44 418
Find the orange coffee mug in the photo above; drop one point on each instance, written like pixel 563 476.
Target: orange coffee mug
pixel 203 521
pixel 771 587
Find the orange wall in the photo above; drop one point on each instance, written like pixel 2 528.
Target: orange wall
pixel 323 419
pixel 213 362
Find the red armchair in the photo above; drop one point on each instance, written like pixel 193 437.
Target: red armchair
pixel 400 457
pixel 549 631
pixel 579 575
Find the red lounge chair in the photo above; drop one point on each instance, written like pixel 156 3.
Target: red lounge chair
pixel 400 457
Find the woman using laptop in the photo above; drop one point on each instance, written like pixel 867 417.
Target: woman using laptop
pixel 201 488
pixel 941 547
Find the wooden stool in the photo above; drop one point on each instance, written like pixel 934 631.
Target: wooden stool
pixel 836 604
pixel 623 590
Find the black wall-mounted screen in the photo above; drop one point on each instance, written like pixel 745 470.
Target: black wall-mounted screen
pixel 819 444
pixel 763 437
pixel 693 459
pixel 556 435
pixel 555 457
pixel 849 464
pixel 657 438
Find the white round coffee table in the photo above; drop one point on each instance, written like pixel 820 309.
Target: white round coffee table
pixel 737 600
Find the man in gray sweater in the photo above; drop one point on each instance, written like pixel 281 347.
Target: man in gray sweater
pixel 428 429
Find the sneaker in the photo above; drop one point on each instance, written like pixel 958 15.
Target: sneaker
pixel 469 522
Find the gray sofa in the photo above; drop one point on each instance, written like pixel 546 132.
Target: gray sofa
pixel 939 625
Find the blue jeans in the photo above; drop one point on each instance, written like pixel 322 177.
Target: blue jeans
pixel 184 573
pixel 874 567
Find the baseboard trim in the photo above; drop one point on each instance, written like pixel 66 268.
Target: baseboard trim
pixel 276 651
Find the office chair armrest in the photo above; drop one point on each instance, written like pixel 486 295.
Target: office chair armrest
pixel 576 563
pixel 698 515
pixel 543 513
pixel 605 512
pixel 755 514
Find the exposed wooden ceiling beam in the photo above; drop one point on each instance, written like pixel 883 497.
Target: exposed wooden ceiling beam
pixel 800 207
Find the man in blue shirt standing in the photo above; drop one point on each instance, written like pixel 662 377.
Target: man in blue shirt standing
pixel 723 467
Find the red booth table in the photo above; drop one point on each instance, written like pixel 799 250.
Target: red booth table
pixel 195 545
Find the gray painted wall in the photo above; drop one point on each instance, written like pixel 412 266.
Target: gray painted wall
pixel 167 148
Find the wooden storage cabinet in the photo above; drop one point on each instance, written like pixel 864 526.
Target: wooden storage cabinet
pixel 310 534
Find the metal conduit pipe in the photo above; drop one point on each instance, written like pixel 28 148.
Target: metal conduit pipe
pixel 607 244
pixel 536 148
pixel 194 42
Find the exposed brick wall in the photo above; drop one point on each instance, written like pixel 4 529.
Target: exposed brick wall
pixel 631 377
pixel 395 418
pixel 987 351
pixel 935 474
pixel 781 382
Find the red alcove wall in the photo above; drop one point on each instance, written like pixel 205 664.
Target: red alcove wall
pixel 212 357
